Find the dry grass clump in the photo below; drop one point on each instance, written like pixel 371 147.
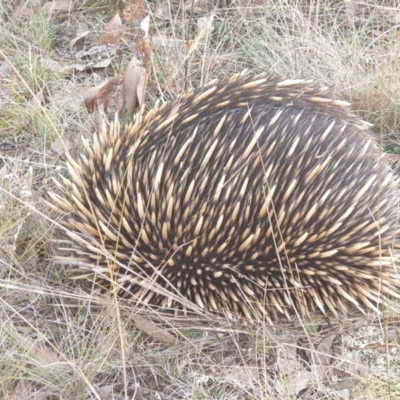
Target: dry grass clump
pixel 62 340
pixel 352 47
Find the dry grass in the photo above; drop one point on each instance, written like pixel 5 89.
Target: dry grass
pixel 62 340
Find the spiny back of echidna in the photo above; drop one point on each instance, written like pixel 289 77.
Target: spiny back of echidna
pixel 250 196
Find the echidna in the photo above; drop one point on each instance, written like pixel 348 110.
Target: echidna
pixel 251 196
